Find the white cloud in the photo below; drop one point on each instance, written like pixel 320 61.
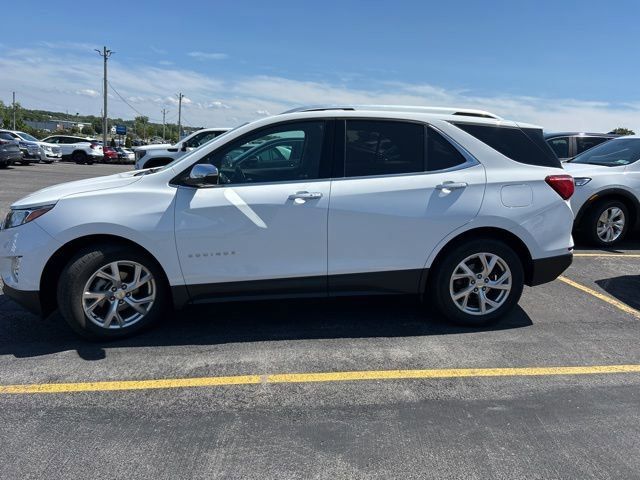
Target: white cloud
pixel 88 92
pixel 69 81
pixel 208 55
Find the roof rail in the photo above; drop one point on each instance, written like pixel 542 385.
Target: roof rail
pixel 467 112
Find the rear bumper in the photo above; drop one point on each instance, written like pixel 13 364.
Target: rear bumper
pixel 30 300
pixel 546 270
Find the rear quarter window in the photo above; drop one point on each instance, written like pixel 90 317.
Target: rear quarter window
pixel 523 145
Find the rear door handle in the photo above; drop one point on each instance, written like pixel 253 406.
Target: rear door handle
pixel 305 195
pixel 451 185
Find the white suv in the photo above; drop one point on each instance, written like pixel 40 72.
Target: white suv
pixel 77 149
pixel 459 207
pixel 607 199
pixel 151 156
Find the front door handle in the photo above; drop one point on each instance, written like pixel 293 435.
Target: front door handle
pixel 305 195
pixel 451 185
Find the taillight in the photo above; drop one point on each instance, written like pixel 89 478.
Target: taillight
pixel 562 184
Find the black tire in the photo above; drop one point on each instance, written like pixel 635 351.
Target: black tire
pixel 438 292
pixel 79 157
pixel 4 164
pixel 48 162
pixel 80 269
pixel 589 225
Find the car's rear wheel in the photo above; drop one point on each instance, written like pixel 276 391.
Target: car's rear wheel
pixel 606 223
pixel 476 282
pixel 111 292
pixel 79 157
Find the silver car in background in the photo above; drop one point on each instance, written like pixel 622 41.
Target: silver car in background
pixel 606 202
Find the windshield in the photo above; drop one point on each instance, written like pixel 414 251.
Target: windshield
pixel 26 136
pixel 615 153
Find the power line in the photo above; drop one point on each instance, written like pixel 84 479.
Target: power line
pixel 155 120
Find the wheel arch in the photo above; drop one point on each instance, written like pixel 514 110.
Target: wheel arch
pixel 493 233
pixel 629 199
pixel 57 261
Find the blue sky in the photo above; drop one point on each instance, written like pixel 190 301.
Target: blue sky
pixel 563 64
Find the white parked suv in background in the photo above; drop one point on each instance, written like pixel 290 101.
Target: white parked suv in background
pixel 77 149
pixel 456 206
pixel 151 156
pixel 607 198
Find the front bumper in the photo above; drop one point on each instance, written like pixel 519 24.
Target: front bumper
pixel 545 270
pixel 30 300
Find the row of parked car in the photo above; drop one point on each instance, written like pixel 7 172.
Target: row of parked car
pixel 20 147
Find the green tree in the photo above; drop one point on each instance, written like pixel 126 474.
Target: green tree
pixel 622 131
pixel 88 130
pixel 127 142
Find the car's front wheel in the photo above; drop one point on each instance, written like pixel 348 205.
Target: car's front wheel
pixel 606 223
pixel 477 282
pixel 111 292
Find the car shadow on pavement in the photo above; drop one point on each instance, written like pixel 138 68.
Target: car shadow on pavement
pixel 632 242
pixel 24 335
pixel 625 288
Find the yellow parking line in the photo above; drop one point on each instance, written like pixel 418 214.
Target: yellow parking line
pixel 605 254
pixel 315 377
pixel 605 298
pixel 131 384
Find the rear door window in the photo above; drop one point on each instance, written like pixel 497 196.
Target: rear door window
pixel 560 146
pixel 523 145
pixel 441 155
pixel 584 143
pixel 381 147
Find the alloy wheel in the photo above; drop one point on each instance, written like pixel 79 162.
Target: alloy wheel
pixel 480 284
pixel 610 224
pixel 119 294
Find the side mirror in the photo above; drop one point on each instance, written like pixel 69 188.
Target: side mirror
pixel 184 146
pixel 202 174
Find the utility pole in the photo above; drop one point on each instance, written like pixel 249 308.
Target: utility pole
pixel 164 113
pixel 14 110
pixel 180 96
pixel 105 54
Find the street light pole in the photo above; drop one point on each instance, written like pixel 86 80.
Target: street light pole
pixel 105 54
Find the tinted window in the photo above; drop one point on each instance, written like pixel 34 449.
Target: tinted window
pixel 612 154
pixel 5 136
pixel 440 153
pixel 585 143
pixel 524 145
pixel 383 148
pixel 560 146
pixel 201 139
pixel 288 152
pixel 51 140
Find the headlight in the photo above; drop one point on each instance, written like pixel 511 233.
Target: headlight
pixel 581 181
pixel 17 217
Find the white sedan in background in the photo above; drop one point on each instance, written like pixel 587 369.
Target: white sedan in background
pixel 606 202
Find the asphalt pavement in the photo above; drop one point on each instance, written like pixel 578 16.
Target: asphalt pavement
pixel 426 400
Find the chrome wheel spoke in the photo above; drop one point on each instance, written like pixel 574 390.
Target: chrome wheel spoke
pixel 109 296
pixel 477 293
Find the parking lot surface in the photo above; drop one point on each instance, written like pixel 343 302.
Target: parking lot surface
pixel 378 388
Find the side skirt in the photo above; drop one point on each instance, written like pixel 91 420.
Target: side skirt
pixel 395 282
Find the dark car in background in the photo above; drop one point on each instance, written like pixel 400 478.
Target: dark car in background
pixel 9 150
pixel 30 149
pixel 567 145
